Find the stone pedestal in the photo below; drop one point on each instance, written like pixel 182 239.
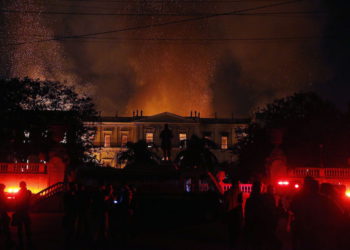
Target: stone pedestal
pixel 276 163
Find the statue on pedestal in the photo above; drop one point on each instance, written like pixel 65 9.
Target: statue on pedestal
pixel 166 135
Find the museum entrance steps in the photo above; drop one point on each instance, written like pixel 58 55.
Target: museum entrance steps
pixel 49 199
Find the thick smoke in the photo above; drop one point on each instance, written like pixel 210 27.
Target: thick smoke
pixel 135 70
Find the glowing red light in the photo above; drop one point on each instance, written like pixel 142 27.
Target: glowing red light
pixel 296 186
pixel 283 183
pixel 347 193
pixel 12 190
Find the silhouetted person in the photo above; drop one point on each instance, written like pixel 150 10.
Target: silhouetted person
pixel 70 214
pixel 116 218
pixel 234 217
pixel 258 220
pixel 120 214
pixel 328 190
pixel 21 217
pixel 83 205
pixel 316 219
pixel 98 214
pixel 273 218
pixel 4 218
pixel 166 136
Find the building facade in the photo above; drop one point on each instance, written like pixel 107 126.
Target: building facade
pixel 113 133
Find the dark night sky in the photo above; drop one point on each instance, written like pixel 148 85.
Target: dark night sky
pixel 224 63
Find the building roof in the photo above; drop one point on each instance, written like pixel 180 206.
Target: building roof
pixel 167 117
pixel 225 120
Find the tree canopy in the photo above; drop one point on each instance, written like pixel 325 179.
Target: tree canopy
pixel 33 111
pixel 312 132
pixel 197 154
pixel 138 155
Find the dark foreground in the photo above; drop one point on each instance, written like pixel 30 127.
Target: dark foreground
pixel 48 235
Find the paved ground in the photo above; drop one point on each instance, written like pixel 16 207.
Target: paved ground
pixel 48 235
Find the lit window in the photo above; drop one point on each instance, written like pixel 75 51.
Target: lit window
pixel 182 136
pixel 182 139
pixel 149 137
pixel 107 162
pixel 124 140
pixel 107 142
pixel 224 141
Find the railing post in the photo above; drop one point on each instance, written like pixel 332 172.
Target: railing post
pixel 322 172
pixel 11 167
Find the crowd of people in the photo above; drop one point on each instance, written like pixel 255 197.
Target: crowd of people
pixel 20 217
pixel 315 217
pixel 102 217
pixel 98 217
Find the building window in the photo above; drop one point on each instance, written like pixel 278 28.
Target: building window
pixel 224 142
pixel 107 162
pixel 207 135
pixel 241 132
pixel 107 142
pixel 182 139
pixel 124 140
pixel 149 137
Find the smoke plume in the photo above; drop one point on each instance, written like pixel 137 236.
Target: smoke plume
pixel 226 64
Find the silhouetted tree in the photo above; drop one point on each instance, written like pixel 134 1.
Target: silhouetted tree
pixel 138 155
pixel 197 154
pixel 312 128
pixel 32 109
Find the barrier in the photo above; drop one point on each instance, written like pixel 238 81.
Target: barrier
pixel 245 188
pixel 23 168
pixel 343 173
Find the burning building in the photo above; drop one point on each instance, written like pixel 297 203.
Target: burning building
pixel 113 133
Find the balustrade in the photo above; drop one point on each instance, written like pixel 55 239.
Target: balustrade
pixel 245 188
pixel 23 168
pixel 320 172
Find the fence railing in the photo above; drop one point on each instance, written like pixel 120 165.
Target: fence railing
pixel 50 191
pixel 320 172
pixel 203 187
pixel 23 168
pixel 245 188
